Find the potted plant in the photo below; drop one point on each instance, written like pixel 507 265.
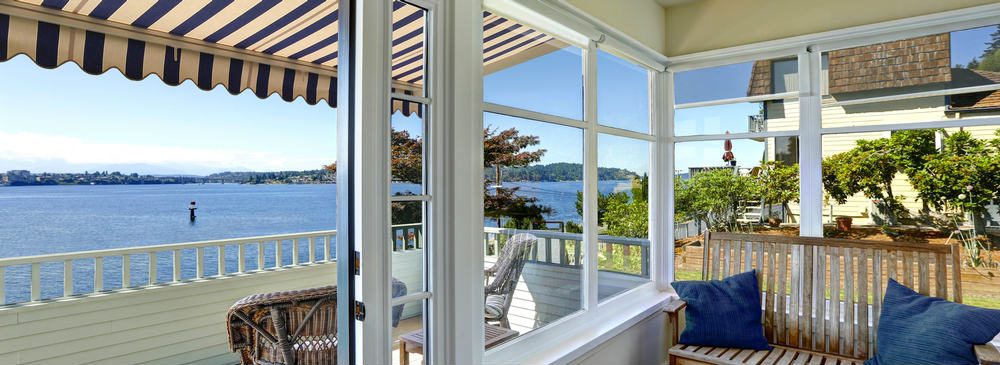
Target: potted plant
pixel 844 223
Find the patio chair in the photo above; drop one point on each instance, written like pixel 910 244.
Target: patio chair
pixel 506 272
pixel 285 328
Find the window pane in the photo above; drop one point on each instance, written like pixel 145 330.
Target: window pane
pixel 623 214
pixel 725 187
pixel 409 335
pixel 966 58
pixel 767 116
pixel 622 93
pixel 736 81
pixel 532 216
pixel 936 186
pixel 408 45
pixel 531 70
pixel 407 143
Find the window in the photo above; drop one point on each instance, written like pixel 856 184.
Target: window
pixel 536 135
pixel 786 150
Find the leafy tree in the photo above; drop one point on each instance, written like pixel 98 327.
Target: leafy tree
pixel 507 149
pixel 994 44
pixel 714 197
pixel 629 217
pixel 407 157
pixel 965 174
pixel 990 62
pixel 779 184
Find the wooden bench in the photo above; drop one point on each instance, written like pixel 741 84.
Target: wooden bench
pixel 822 297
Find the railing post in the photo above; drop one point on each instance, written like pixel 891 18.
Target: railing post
pixel 222 260
pixel 277 253
pixel 126 271
pixel 177 265
pixel 67 278
pixel 312 250
pixel 152 268
pixel 562 252
pixel 241 255
pixel 260 256
pixel 576 252
pixel 644 260
pixel 326 248
pixel 36 282
pixel 199 260
pixel 98 274
pixel 3 295
pixel 295 252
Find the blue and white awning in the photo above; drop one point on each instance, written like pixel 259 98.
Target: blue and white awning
pixel 269 47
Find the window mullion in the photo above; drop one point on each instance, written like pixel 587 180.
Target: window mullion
pixel 590 192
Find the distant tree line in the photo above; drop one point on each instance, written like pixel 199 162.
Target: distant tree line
pixel 559 171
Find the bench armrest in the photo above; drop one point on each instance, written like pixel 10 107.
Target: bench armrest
pixel 674 319
pixel 988 354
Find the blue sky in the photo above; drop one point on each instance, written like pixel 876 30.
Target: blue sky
pixel 65 120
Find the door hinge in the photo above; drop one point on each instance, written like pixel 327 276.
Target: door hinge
pixel 359 310
pixel 357 263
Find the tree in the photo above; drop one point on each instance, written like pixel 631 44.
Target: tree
pixel 965 174
pixel 779 184
pixel 508 149
pixel 714 197
pixel 994 44
pixel 629 217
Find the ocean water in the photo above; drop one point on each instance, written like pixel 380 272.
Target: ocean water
pixel 36 220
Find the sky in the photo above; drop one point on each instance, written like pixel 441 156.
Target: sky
pixel 65 120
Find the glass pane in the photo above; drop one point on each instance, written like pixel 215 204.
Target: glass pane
pixel 407 234
pixel 408 46
pixel 767 116
pixel 407 143
pixel 936 186
pixel 531 70
pixel 966 58
pixel 409 335
pixel 532 216
pixel 737 80
pixel 623 214
pixel 743 185
pixel 622 93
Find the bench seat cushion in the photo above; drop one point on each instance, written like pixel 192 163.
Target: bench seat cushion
pixel 685 354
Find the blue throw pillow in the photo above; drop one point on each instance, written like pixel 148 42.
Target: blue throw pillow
pixel 723 313
pixel 915 329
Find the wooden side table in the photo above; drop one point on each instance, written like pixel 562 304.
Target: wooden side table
pixel 414 341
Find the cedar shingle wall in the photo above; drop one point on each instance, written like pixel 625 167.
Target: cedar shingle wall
pixel 908 62
pixel 760 79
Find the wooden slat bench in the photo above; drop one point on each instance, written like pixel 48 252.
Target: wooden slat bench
pixel 822 297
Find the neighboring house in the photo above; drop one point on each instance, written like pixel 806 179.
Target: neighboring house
pixel 884 69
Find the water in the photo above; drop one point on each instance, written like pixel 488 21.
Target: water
pixel 40 220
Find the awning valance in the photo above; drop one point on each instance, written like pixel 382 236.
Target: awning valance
pixel 269 47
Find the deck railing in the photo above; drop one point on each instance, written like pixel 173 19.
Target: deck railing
pixel 85 272
pixel 620 254
pixel 61 275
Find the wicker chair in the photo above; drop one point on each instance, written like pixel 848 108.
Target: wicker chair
pixel 506 272
pixel 285 328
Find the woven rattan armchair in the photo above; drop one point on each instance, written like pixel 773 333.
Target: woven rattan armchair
pixel 285 328
pixel 505 273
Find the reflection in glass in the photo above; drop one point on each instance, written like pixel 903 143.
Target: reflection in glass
pixel 533 222
pixel 408 48
pixel 736 81
pixel 407 150
pixel 531 70
pixel 623 214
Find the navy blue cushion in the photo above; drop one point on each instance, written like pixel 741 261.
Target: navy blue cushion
pixel 723 313
pixel 916 329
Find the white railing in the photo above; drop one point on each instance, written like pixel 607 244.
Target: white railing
pixel 565 249
pixel 85 272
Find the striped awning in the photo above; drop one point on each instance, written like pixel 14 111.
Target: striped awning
pixel 269 47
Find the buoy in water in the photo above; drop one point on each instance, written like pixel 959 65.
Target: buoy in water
pixel 191 209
